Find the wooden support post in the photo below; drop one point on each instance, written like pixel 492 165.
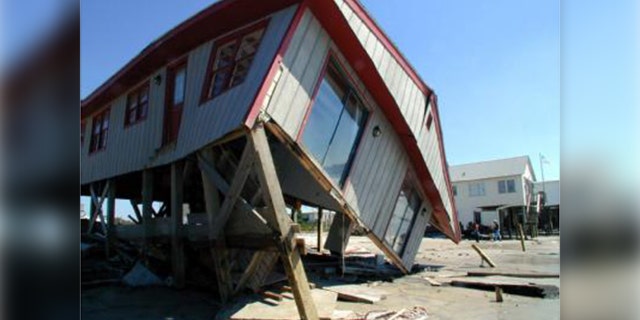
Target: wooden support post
pixel 147 200
pixel 177 247
pixel 97 202
pixel 319 229
pixel 111 216
pixel 483 255
pixel 277 217
pixel 521 233
pixel 218 248
pixel 136 210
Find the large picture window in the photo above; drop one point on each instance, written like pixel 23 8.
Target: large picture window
pixel 404 213
pixel 334 125
pixel 231 59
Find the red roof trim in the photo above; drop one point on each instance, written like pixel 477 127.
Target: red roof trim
pixel 254 110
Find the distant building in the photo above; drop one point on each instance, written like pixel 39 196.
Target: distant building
pixel 493 190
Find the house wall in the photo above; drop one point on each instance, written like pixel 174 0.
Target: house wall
pixel 466 204
pixel 407 94
pixel 138 146
pixel 380 163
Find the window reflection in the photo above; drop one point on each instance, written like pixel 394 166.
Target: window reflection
pixel 334 125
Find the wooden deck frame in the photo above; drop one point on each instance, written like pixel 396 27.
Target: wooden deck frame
pixel 274 215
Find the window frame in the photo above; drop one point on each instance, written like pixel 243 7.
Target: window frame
pixel 235 36
pixel 481 187
pixel 414 186
pixel 98 140
pixel 137 109
pixel 332 60
pixel 506 184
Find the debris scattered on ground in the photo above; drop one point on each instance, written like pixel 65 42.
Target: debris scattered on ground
pixel 255 308
pixel 357 293
pixel 509 285
pixel 415 313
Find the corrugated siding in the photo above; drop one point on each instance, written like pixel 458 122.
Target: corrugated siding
pixel 131 149
pixel 380 164
pixel 408 96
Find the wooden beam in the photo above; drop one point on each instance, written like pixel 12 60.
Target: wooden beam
pixel 97 202
pixel 218 246
pixel 319 228
pixel 251 269
pixel 521 234
pixel 233 192
pixel 136 210
pixel 111 216
pixel 177 246
pixel 147 200
pixel 277 216
pixel 483 255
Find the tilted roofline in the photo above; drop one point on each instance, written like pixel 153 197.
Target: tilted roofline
pixel 227 15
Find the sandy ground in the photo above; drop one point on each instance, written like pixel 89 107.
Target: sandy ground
pixel 447 302
pixel 443 302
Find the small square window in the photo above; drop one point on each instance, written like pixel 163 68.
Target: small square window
pixel 137 105
pixel 99 131
pixel 231 60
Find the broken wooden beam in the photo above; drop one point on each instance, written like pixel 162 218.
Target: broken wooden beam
pixel 483 255
pixel 521 233
pixel 512 274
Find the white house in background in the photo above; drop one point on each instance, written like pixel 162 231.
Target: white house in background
pixel 493 190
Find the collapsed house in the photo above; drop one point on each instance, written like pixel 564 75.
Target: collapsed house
pixel 250 107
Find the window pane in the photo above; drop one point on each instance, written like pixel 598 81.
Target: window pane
pixel 219 82
pixel 249 44
pixel 225 55
pixel 322 121
pixel 343 143
pixel 178 86
pixel 407 206
pixel 241 71
pixel 501 186
pixel 511 186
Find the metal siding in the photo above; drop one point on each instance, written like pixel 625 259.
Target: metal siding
pixel 135 147
pixel 407 95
